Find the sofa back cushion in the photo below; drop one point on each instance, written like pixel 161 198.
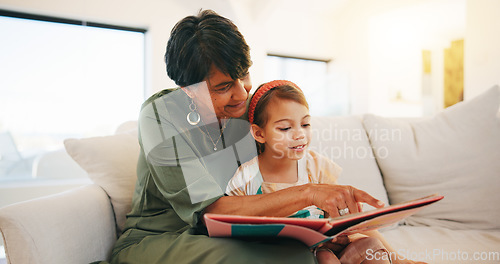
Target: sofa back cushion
pixel 111 162
pixel 455 153
pixel 344 140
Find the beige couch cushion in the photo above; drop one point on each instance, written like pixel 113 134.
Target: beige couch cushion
pixel 75 226
pixel 111 162
pixel 438 245
pixel 455 153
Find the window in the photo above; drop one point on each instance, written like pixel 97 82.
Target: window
pixel 63 78
pixel 312 76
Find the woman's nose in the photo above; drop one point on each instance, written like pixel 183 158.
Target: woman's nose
pixel 241 90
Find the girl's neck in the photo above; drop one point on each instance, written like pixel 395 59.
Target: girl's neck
pixel 277 169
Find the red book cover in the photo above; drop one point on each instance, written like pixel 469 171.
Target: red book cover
pixel 313 231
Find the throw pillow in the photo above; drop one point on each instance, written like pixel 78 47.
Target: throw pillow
pixel 455 154
pixel 111 162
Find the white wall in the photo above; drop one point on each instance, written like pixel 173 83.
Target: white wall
pixel 378 47
pixel 481 47
pixel 360 53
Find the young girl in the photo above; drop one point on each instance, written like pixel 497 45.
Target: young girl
pixel 280 123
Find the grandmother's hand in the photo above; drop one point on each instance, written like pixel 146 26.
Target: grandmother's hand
pixel 332 198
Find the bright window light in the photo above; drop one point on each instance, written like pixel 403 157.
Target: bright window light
pixel 61 80
pixel 322 90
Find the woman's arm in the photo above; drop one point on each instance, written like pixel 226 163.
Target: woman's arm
pixel 282 203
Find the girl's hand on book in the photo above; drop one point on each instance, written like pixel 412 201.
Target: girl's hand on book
pixel 332 198
pixel 337 244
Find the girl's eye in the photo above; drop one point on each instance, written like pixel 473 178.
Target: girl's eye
pixel 306 125
pixel 284 129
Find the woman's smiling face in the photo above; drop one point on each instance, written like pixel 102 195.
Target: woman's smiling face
pixel 225 97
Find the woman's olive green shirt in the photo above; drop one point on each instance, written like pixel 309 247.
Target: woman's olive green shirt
pixel 179 175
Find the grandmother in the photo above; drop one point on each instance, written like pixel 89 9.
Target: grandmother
pixel 192 140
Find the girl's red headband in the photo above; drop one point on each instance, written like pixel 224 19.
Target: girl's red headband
pixel 261 91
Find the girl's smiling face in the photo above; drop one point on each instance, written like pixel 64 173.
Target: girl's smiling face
pixel 287 132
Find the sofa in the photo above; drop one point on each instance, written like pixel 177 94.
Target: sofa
pixel 455 153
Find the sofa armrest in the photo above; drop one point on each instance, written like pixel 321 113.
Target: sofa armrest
pixel 76 226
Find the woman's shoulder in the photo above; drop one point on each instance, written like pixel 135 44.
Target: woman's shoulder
pixel 166 107
pixel 159 94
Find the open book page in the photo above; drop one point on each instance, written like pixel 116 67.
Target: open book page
pixel 341 223
pixel 313 231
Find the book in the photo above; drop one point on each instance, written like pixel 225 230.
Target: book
pixel 313 232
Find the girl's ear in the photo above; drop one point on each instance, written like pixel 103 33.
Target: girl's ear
pixel 257 133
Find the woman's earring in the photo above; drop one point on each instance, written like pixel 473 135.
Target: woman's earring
pixel 193 117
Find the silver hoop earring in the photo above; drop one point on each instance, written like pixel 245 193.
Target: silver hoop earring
pixel 193 117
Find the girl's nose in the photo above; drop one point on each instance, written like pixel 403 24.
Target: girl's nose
pixel 299 134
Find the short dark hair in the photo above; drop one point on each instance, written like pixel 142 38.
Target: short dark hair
pixel 198 42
